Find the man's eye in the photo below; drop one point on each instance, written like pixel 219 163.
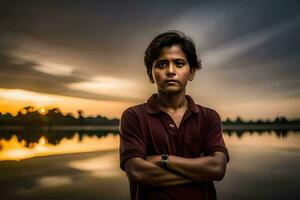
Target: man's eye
pixel 161 64
pixel 180 64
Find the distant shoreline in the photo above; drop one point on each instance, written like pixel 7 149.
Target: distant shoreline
pixel 62 128
pixel 249 127
pixel 226 127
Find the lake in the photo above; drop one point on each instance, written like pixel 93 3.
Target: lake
pixel 263 165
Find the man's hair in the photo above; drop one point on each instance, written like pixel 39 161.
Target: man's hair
pixel 168 39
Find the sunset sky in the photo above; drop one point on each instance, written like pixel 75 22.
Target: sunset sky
pixel 88 55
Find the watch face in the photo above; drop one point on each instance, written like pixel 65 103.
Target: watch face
pixel 164 156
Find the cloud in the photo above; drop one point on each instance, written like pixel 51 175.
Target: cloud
pixel 108 85
pixel 28 69
pixel 54 69
pixel 249 50
pixel 248 54
pixel 218 56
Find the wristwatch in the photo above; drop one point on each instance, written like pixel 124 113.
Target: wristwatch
pixel 164 160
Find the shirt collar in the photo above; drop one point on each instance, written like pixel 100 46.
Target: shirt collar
pixel 152 104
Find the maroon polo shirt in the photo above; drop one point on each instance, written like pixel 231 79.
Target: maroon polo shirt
pixel 146 130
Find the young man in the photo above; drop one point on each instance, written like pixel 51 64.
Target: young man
pixel 170 147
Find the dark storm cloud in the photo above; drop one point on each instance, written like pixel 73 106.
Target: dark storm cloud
pixel 266 59
pixel 20 73
pixel 251 43
pixel 253 49
pixel 234 19
pixel 105 25
pixel 98 29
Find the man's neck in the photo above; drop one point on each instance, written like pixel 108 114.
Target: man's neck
pixel 172 102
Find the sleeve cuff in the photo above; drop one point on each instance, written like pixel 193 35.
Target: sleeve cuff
pixel 218 148
pixel 131 153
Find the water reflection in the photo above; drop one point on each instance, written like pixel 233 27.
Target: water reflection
pixel 54 181
pixel 280 133
pixel 104 166
pixel 14 149
pixel 291 140
pixel 89 175
pixel 22 146
pixel 262 166
pixel 30 136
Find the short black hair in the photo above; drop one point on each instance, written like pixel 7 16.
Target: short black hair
pixel 167 39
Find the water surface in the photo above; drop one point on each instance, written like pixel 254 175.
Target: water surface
pixel 262 166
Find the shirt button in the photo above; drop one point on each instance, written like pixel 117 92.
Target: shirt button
pixel 172 125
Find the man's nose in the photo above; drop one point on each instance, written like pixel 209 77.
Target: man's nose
pixel 171 69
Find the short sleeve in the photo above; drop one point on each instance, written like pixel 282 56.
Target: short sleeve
pixel 131 139
pixel 214 140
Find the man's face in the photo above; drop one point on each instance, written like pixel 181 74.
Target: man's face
pixel 171 65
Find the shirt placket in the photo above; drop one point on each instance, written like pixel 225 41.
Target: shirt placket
pixel 175 133
pixel 173 129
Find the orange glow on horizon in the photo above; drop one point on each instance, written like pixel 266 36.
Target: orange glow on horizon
pixel 14 100
pixel 11 101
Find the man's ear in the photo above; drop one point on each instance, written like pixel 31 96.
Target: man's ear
pixel 192 74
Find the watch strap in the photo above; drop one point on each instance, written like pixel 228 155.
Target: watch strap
pixel 164 160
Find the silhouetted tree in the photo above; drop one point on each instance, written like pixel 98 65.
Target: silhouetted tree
pixel 80 113
pixel 239 120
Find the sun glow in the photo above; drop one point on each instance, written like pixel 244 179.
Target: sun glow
pixel 43 111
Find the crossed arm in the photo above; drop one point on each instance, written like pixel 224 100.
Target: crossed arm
pixel 180 170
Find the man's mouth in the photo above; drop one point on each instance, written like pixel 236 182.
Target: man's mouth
pixel 171 81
